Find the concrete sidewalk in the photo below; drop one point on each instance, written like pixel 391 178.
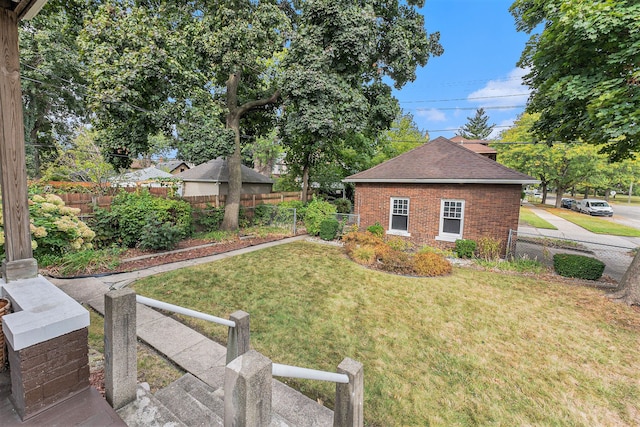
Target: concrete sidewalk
pixel 188 349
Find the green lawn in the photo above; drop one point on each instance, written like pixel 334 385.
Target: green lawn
pixel 595 225
pixel 528 217
pixel 472 348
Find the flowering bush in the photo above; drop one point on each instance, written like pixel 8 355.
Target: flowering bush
pixel 55 228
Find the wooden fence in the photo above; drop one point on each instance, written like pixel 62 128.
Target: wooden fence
pixel 87 202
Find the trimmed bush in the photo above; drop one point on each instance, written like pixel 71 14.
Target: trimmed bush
pixel 329 228
pixel 400 244
pixel 465 248
pixel 364 255
pixel 317 211
pixel 431 264
pixel 395 261
pixel 579 266
pixel 376 229
pixel 157 235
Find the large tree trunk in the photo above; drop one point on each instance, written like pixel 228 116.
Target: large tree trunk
pixel 234 161
pixel 305 182
pixel 629 289
pixel 559 193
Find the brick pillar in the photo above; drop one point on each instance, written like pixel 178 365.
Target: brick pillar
pixel 49 372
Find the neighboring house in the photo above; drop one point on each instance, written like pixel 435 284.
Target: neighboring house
pixel 479 146
pixel 212 179
pixel 147 177
pixel 174 167
pixel 438 193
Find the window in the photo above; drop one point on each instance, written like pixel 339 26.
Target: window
pixel 399 218
pixel 451 220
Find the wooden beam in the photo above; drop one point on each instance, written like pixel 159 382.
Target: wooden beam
pixel 13 175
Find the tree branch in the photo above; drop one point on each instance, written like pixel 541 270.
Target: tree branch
pixel 248 106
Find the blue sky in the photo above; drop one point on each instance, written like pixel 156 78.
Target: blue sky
pixel 481 49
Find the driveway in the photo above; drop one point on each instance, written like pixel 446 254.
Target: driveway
pixel 614 251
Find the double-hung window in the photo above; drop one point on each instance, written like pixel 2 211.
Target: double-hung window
pixel 451 219
pixel 399 216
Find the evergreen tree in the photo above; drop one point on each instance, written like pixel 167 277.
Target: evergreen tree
pixel 476 126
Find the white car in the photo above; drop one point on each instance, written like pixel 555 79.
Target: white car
pixel 594 207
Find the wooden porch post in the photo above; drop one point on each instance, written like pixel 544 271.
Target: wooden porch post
pixel 19 263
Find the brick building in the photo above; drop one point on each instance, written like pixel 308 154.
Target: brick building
pixel 438 193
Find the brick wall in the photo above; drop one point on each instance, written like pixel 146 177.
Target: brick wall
pixel 47 373
pixel 490 210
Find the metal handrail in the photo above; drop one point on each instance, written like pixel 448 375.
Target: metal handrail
pixel 279 370
pixel 181 310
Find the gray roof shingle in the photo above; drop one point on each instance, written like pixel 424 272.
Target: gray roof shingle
pixel 217 171
pixel 441 161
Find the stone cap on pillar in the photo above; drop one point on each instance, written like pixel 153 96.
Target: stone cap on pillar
pixel 41 312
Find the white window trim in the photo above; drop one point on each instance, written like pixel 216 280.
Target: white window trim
pixel 450 237
pixel 398 232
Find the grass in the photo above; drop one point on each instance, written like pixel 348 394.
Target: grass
pixel 152 368
pixel 595 225
pixel 472 348
pixel 528 217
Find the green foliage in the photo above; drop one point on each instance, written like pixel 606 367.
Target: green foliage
pixel 400 244
pixel 404 135
pixel 329 228
pixel 298 205
pixel 488 248
pixel 158 235
pixel 82 262
pixel 465 248
pixel 444 252
pixel 209 218
pixel 317 211
pixel 343 205
pixel 130 212
pixel 376 229
pixel 262 214
pixel 583 71
pixel 55 228
pixel 580 266
pixel 430 264
pixel 477 127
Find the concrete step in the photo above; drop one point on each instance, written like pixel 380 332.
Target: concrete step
pixel 193 402
pixel 147 410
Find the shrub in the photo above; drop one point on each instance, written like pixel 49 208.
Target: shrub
pixel 376 229
pixel 158 235
pixel 317 211
pixel 395 261
pixel 431 264
pixel 298 205
pixel 343 205
pixel 130 212
pixel 444 252
pixel 364 255
pixel 400 244
pixel 209 218
pixel 579 266
pixel 359 239
pixel 329 228
pixel 465 248
pixel 489 248
pixel 262 214
pixel 55 228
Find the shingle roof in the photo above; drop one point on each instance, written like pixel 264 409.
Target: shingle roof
pixel 441 161
pixel 217 171
pixel 478 148
pixel 142 175
pixel 171 165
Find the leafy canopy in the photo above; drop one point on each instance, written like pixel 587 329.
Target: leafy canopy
pixel 584 71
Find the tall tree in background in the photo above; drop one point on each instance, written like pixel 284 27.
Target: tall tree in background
pixel 585 80
pixel 402 136
pixel 335 74
pixel 477 127
pixel 52 83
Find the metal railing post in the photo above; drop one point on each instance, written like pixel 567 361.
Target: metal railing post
pixel 349 411
pixel 239 338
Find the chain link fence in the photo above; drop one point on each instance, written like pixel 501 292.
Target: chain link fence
pixel 535 246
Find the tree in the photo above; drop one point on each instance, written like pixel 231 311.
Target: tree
pixel 585 81
pixel 402 136
pixel 52 84
pixel 82 161
pixel 336 73
pixel 477 127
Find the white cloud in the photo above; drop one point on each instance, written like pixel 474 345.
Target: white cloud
pixel 431 114
pixel 502 92
pixel 502 126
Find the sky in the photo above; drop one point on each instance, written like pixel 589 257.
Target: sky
pixel 481 49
